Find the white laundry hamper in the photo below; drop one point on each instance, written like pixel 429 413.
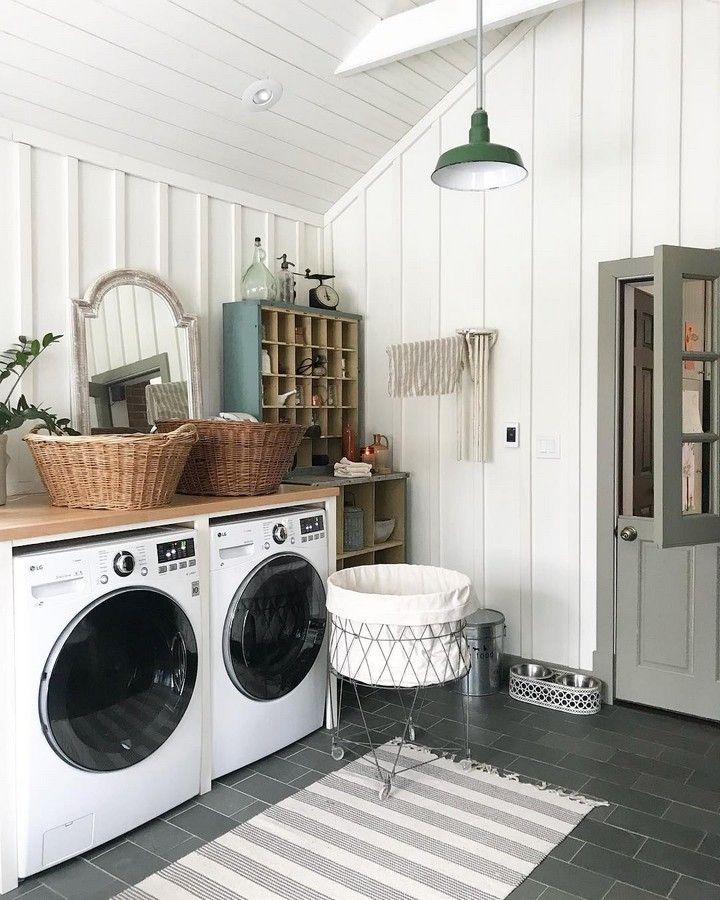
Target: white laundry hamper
pixel 398 626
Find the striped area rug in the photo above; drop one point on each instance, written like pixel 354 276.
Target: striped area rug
pixel 443 834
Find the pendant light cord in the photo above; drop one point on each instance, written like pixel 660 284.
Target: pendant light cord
pixel 479 86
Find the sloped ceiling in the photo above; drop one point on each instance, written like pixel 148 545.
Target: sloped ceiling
pixel 161 80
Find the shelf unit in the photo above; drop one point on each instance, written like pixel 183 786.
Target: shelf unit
pixel 291 335
pixel 379 497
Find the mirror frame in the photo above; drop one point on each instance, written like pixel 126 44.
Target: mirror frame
pixel 88 307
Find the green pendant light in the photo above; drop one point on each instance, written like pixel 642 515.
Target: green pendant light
pixel 479 165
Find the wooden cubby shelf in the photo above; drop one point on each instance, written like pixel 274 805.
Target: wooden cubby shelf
pixel 290 335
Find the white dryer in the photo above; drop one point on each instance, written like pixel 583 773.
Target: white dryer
pixel 107 708
pixel 267 638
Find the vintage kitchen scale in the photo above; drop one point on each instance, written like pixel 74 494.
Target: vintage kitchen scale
pixel 323 296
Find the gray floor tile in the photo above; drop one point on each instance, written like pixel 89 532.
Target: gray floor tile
pixel 643 874
pixel 492 757
pixel 569 877
pixel 316 759
pixel 306 779
pixel 620 741
pixel 319 740
pixel 540 771
pixel 81 880
pixel 703 779
pixel 591 768
pixel 627 892
pixel 552 893
pixel 282 769
pixel 530 749
pixel 710 845
pixel 25 886
pixel 173 854
pixel 567 849
pixel 600 813
pixel 224 799
pixel 203 822
pixel 129 863
pixel 658 767
pixel 158 836
pixel 694 817
pixel 260 787
pixel 685 862
pixel 254 809
pixel 604 835
pixel 682 793
pixel 579 747
pixel 692 889
pixel 528 890
pixel 654 827
pixel 634 799
pixel 41 892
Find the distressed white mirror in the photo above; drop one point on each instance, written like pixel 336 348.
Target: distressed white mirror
pixel 136 355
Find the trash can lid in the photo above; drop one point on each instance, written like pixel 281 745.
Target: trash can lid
pixel 484 621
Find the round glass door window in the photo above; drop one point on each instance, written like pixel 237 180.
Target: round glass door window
pixel 119 680
pixel 275 627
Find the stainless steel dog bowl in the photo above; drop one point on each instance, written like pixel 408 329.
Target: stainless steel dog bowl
pixel 572 679
pixel 532 670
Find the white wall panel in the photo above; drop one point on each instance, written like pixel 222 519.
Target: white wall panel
pixel 63 222
pixel 596 97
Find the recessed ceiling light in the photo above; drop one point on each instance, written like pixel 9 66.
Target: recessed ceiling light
pixel 262 94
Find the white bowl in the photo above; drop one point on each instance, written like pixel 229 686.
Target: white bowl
pixel 383 529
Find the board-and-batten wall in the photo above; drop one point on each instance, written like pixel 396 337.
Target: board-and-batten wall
pixel 615 106
pixel 64 221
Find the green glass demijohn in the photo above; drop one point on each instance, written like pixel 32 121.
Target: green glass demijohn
pixel 479 165
pixel 258 282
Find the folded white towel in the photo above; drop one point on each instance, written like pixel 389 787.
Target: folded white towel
pixel 346 468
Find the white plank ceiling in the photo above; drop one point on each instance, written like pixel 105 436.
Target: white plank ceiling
pixel 161 81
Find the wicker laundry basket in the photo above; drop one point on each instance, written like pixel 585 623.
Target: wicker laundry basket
pixel 237 459
pixel 137 471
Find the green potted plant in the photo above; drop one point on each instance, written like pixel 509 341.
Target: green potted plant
pixel 13 414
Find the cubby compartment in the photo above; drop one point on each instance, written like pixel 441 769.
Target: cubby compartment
pixel 379 498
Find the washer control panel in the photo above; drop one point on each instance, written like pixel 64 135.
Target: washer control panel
pixel 175 555
pixel 312 528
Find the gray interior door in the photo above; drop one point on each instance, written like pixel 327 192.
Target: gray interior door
pixel 666 624
pixel 667 648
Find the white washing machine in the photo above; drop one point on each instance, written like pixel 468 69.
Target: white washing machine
pixel 108 707
pixel 268 620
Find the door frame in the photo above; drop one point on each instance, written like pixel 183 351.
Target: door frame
pixel 608 450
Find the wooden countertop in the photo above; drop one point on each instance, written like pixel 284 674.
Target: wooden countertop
pixel 30 515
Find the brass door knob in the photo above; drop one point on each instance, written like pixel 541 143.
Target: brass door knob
pixel 629 533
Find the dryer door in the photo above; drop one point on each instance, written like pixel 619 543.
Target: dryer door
pixel 275 627
pixel 118 680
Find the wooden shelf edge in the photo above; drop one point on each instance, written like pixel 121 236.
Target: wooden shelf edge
pixel 375 548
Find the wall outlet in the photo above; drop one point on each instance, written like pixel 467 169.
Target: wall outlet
pixel 547 446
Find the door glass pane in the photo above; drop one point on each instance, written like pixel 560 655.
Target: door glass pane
pixel 119 681
pixel 697 336
pixel 696 460
pixel 275 627
pixel 636 400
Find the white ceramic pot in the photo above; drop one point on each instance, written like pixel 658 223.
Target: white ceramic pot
pixel 3 469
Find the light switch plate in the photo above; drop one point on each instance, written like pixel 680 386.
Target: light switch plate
pixel 512 434
pixel 547 446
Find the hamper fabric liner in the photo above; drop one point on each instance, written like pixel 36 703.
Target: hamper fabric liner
pixel 399 625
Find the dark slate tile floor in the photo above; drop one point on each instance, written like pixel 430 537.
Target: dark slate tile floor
pixel 659 837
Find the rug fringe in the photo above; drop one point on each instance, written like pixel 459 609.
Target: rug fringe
pixel 505 774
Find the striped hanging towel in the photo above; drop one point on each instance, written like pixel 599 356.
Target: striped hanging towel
pixel 425 368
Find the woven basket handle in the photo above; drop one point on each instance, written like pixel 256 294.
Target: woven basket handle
pixel 183 431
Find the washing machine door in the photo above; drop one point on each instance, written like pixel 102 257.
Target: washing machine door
pixel 118 680
pixel 275 627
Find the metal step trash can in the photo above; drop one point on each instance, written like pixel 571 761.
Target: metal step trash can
pixel 485 632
